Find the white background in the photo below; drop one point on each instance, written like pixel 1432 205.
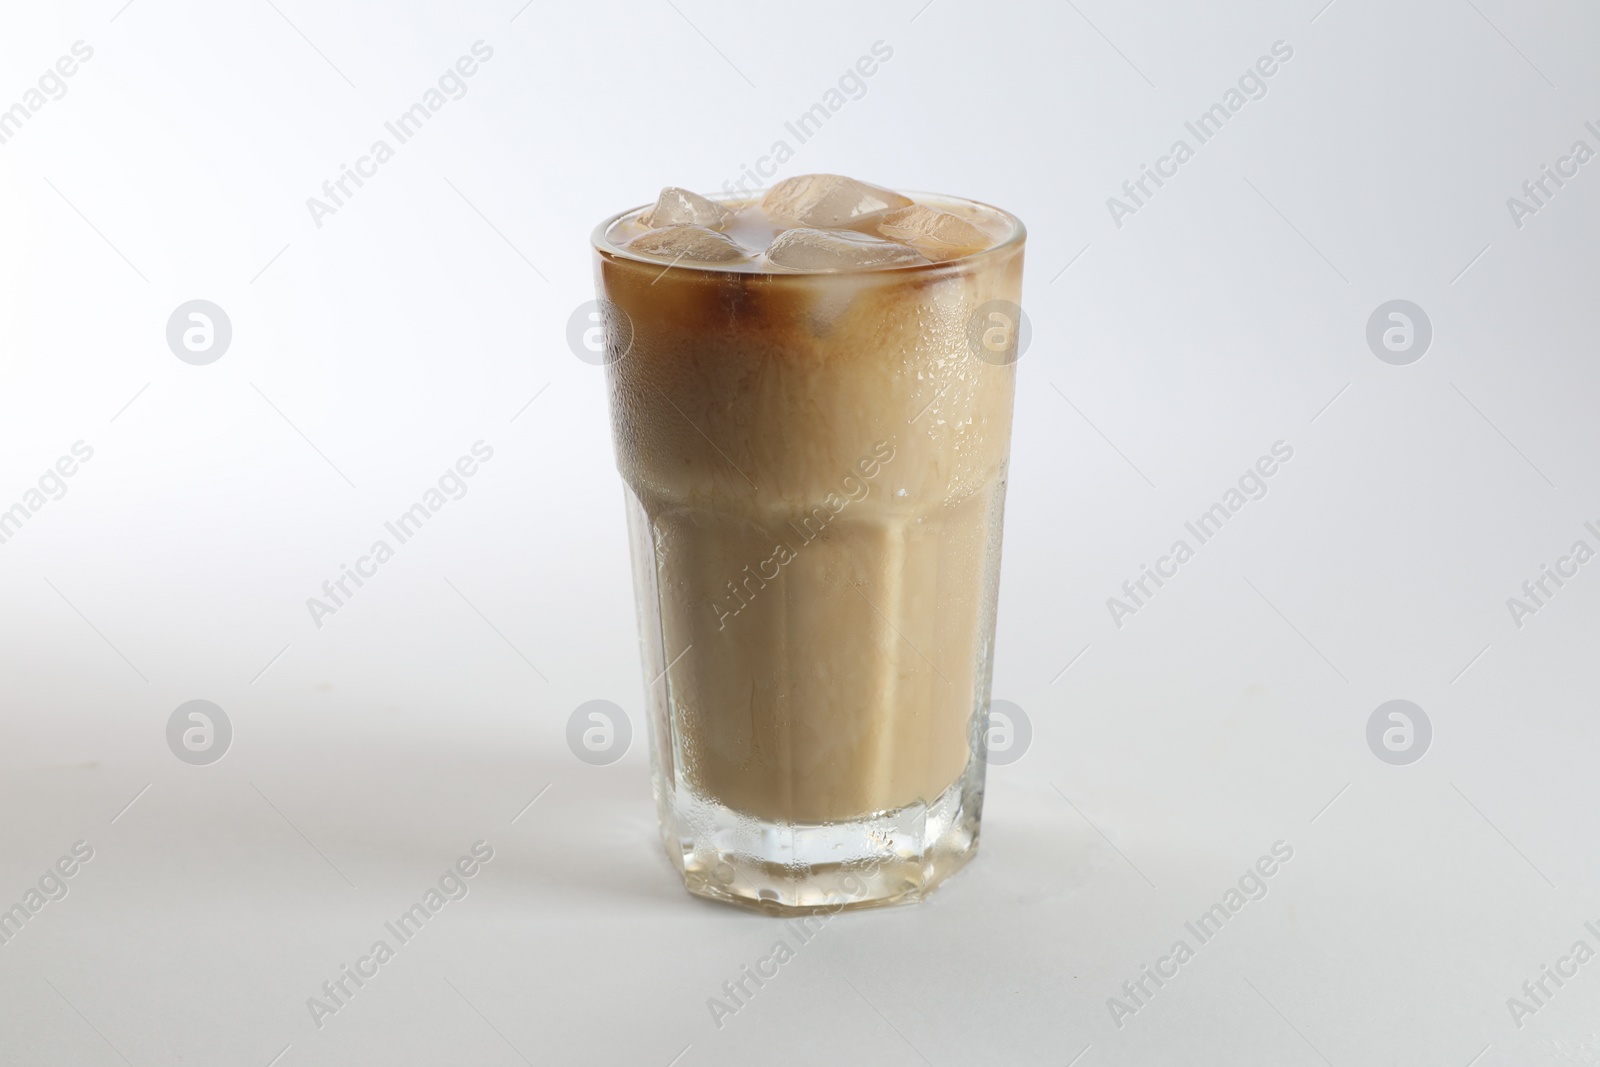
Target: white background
pixel 1169 353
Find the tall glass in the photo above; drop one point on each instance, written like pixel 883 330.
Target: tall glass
pixel 815 466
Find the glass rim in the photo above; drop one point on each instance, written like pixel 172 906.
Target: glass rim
pixel 1015 239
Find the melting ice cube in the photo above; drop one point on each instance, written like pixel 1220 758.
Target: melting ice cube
pixel 694 244
pixel 828 200
pixel 680 207
pixel 807 249
pixel 937 234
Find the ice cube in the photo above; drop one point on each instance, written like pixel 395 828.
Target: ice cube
pixel 694 244
pixel 680 207
pixel 937 234
pixel 828 201
pixel 806 249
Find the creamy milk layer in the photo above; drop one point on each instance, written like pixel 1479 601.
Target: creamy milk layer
pixel 816 460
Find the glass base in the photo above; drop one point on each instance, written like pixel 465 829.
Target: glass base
pixel 891 857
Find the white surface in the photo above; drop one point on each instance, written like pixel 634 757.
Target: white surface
pixel 1225 716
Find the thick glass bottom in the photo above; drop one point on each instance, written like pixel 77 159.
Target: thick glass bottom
pixel 784 868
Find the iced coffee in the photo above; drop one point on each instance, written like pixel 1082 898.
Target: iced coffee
pixel 811 396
